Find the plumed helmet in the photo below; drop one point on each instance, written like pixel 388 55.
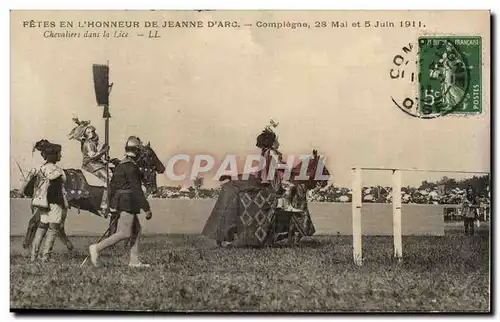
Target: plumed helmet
pixel 267 138
pixel 78 133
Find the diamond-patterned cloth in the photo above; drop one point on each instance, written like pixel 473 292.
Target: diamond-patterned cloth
pixel 245 213
pixel 256 216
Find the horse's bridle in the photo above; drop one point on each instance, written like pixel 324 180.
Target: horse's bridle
pixel 148 171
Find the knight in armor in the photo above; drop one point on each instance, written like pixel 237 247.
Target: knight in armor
pixel 94 160
pixel 49 203
pixel 268 142
pixel 127 199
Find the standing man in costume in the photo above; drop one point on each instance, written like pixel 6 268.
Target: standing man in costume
pixel 267 141
pixel 93 156
pixel 49 200
pixel 127 198
pixel 470 205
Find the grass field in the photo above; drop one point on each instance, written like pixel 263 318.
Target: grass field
pixel 189 273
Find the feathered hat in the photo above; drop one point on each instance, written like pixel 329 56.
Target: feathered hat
pixel 78 132
pixel 46 148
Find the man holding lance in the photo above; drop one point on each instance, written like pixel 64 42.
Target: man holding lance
pixel 94 158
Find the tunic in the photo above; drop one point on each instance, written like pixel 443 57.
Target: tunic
pixel 273 159
pixel 470 206
pixel 90 150
pixel 125 188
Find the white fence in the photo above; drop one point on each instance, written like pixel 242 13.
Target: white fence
pixel 357 204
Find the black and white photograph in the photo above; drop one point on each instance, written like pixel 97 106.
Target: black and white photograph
pixel 250 161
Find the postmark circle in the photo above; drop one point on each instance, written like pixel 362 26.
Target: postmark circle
pixel 439 74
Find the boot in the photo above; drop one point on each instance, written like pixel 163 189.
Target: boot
pixel 103 208
pixel 37 241
pixel 64 238
pixel 30 234
pixel 49 244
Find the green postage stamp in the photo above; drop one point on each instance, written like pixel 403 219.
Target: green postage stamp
pixel 450 75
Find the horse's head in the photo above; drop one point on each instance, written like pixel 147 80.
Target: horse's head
pixel 311 181
pixel 149 165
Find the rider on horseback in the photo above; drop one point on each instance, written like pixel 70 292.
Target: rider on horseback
pixel 267 141
pixel 93 158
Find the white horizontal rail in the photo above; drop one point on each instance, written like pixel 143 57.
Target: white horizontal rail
pixel 420 170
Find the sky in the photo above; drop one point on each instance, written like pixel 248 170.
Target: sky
pixel 213 90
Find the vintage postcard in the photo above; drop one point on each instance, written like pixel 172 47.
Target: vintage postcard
pixel 250 161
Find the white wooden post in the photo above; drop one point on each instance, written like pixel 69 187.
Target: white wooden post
pixel 356 216
pixel 396 214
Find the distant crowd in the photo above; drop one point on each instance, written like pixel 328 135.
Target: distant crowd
pixel 409 195
pixel 428 193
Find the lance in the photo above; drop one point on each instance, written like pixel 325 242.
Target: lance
pixel 102 89
pixel 20 169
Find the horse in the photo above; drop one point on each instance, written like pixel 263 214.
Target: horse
pixel 83 196
pixel 299 199
pixel 222 225
pixel 149 165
